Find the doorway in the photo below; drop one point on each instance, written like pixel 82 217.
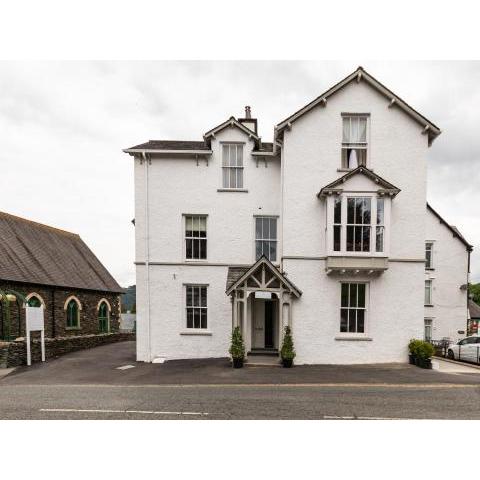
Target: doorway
pixel 264 324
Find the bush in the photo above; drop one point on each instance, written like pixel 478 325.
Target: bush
pixel 413 346
pixel 425 350
pixel 421 349
pixel 237 347
pixel 288 351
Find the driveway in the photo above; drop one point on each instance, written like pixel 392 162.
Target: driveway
pixel 95 384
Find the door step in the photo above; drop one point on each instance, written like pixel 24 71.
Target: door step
pixel 271 352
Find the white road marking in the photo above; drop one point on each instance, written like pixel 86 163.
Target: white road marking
pixel 145 412
pixel 125 367
pixel 351 417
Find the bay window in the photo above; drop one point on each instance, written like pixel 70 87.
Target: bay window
pixel 358 224
pixel 354 141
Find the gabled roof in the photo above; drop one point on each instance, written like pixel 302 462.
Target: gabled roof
pixel 235 277
pixel 361 75
pixel 31 252
pixel 474 309
pixel 384 186
pixel 231 122
pixel 456 233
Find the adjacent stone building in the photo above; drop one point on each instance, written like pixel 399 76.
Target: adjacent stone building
pixel 56 269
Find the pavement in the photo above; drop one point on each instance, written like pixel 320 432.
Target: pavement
pixel 107 383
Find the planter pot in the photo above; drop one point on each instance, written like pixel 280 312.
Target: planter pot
pixel 287 362
pixel 411 359
pixel 417 361
pixel 425 363
pixel 237 362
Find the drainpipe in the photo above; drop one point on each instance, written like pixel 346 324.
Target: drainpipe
pixel 147 257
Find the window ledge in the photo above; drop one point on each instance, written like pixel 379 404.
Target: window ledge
pixel 196 332
pixel 429 305
pixel 354 339
pixel 430 269
pixel 73 328
pixel 240 190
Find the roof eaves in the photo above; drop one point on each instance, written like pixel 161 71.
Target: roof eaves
pixel 388 188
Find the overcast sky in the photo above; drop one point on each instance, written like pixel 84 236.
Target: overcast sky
pixel 63 127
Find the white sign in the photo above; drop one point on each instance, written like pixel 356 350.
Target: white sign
pixel 34 323
pixel 265 295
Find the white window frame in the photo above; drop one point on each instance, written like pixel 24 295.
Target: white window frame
pixel 227 166
pixel 430 265
pixel 186 328
pixel 365 309
pixel 330 217
pixel 185 238
pixel 427 322
pixel 270 240
pixel 356 145
pixel 428 302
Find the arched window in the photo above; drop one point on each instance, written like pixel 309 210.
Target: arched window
pixel 103 323
pixel 34 301
pixel 73 314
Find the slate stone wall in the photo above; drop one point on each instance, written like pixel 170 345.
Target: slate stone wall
pixel 54 299
pixel 14 354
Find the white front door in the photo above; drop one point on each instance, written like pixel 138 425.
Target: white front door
pixel 259 324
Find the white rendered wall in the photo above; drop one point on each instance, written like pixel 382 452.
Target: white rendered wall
pixel 450 271
pixel 179 186
pixel 311 159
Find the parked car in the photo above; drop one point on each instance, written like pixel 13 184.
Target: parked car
pixel 467 349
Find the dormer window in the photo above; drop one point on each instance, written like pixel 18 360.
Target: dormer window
pixel 354 141
pixel 232 165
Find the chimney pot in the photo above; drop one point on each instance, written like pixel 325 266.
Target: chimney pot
pixel 248 112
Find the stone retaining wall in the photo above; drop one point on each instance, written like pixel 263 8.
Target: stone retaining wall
pixel 14 354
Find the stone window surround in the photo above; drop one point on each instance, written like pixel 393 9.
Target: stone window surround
pixel 67 301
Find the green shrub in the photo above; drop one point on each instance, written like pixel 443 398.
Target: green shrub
pixel 425 350
pixel 421 349
pixel 288 351
pixel 237 347
pixel 413 345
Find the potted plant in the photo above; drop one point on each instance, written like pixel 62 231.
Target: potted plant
pixel 237 348
pixel 412 351
pixel 424 353
pixel 288 351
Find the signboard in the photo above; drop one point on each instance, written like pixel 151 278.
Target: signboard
pixel 35 322
pixel 265 295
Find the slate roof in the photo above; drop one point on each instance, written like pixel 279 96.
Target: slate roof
pixel 171 145
pixel 474 309
pixel 456 233
pixel 382 183
pixel 234 273
pixel 31 252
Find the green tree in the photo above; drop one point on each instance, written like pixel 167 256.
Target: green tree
pixel 474 291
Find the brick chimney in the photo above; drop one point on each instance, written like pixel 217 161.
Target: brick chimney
pixel 248 121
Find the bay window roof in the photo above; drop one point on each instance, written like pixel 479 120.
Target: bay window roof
pixel 384 187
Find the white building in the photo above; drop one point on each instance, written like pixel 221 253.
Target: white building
pixel 324 229
pixel 447 264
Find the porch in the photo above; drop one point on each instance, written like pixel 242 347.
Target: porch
pixel 262 305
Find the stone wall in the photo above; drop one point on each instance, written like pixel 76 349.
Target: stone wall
pixel 14 354
pixel 54 299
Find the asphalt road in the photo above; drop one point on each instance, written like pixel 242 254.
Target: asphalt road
pixel 89 385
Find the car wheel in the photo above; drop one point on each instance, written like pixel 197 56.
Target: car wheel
pixel 451 355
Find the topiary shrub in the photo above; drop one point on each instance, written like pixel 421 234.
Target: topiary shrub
pixel 237 348
pixel 287 351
